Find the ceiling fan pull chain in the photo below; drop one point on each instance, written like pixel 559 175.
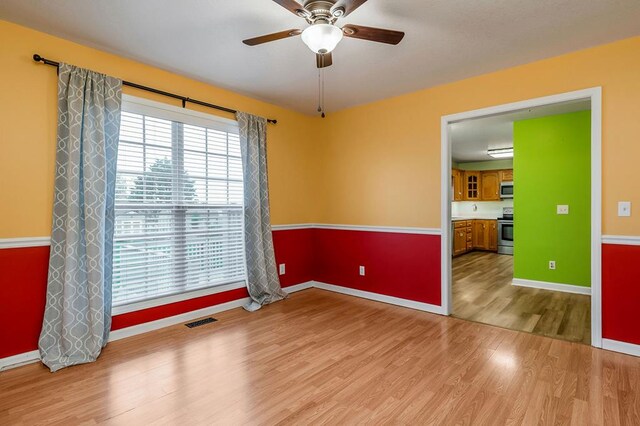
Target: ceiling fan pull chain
pixel 322 91
pixel 319 90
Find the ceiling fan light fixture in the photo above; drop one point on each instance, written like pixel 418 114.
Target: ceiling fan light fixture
pixel 322 38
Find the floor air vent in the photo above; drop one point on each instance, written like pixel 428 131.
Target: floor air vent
pixel 200 322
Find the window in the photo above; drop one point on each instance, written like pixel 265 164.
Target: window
pixel 179 218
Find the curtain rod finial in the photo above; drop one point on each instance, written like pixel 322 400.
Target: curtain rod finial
pixel 37 57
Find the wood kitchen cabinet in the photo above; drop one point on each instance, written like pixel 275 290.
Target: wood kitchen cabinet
pixel 506 175
pixel 493 235
pixel 457 184
pixel 472 185
pixel 459 237
pixel 490 186
pixel 485 235
pixel 476 234
pixel 479 235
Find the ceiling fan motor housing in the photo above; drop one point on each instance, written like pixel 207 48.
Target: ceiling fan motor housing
pixel 321 11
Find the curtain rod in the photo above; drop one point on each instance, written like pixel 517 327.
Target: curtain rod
pixel 184 99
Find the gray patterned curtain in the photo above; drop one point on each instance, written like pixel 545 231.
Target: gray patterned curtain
pixel 262 277
pixel 77 316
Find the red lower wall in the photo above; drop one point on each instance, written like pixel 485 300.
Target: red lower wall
pixel 400 265
pixel 621 293
pixel 295 249
pixel 23 286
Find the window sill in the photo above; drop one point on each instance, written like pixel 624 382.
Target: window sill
pixel 165 300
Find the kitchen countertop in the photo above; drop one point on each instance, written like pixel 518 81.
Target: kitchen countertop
pixel 481 217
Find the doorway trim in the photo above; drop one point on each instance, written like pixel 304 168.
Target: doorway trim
pixel 595 96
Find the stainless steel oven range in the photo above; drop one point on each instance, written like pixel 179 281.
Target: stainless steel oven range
pixel 505 231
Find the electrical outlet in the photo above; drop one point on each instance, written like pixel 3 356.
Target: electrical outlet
pixel 362 271
pixel 282 269
pixel 563 209
pixel 552 264
pixel 624 208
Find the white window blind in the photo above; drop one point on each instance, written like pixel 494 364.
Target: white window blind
pixel 179 220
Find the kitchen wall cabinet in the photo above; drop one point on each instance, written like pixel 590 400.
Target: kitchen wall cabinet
pixel 506 175
pixel 457 184
pixel 472 182
pixel 490 186
pixel 474 185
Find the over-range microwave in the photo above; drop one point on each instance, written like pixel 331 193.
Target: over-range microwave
pixel 506 190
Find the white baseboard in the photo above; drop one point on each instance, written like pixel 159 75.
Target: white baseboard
pixel 544 285
pixel 623 347
pixel 298 287
pixel 34 356
pixel 412 304
pixel 19 360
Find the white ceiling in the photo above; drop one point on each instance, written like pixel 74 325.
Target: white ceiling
pixel 446 40
pixel 470 139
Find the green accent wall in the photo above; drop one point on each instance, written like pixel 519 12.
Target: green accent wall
pixel 552 165
pixel 487 165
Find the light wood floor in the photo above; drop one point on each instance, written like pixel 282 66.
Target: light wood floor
pixel 482 291
pixel 321 357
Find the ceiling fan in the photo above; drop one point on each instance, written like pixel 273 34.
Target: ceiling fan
pixel 322 36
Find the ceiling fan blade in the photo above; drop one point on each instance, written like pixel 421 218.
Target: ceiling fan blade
pixel 272 37
pixel 292 6
pixel 373 34
pixel 324 60
pixel 348 5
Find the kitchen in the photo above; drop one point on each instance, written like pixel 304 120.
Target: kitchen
pixel 477 224
pixel 520 286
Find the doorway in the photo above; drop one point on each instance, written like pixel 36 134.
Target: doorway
pixel 493 271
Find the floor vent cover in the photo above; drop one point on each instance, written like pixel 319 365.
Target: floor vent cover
pixel 200 322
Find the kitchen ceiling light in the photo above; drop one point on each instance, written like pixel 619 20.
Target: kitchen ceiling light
pixel 501 153
pixel 322 38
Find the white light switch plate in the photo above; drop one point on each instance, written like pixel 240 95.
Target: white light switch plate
pixel 563 209
pixel 362 271
pixel 282 269
pixel 624 208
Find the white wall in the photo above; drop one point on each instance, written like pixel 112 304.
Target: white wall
pixel 484 209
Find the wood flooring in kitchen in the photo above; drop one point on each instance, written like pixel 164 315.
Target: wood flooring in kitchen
pixel 482 292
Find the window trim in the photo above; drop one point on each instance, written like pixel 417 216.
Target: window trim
pixel 173 298
pixel 136 105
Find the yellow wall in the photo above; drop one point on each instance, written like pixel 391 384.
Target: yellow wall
pixel 383 159
pixel 375 164
pixel 28 129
